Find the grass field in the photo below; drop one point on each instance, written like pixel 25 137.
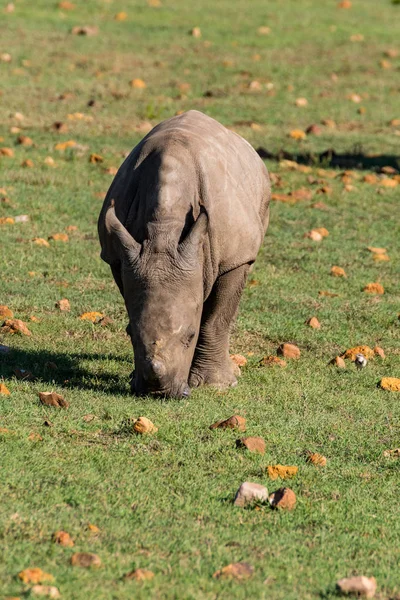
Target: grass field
pixel 164 502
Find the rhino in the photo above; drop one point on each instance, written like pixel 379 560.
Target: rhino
pixel 180 227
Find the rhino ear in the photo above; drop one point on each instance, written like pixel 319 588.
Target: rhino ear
pixel 189 248
pixel 114 227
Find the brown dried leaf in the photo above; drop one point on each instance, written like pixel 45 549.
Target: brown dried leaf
pixel 281 471
pixel 381 258
pixel 6 221
pixel 64 145
pixel 289 351
pixel 34 575
pixel 284 498
pixel 85 559
pixel 375 250
pixel 15 326
pixel 374 288
pixel 234 422
pixel 253 444
pixel 53 399
pixel 239 360
pixel 239 571
pixel 391 384
pixel 143 425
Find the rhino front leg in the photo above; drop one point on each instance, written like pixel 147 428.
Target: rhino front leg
pixel 211 363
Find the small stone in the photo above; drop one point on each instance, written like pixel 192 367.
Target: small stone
pixel 313 323
pixel 281 471
pixel 85 559
pixel 143 425
pixel 314 130
pixel 63 305
pixel 239 360
pixel 6 312
pixel 53 399
pixel 140 575
pixel 316 459
pixel 45 590
pixel 234 422
pixel 358 586
pixel 374 288
pixel 250 493
pixel 270 361
pixel 15 326
pixel 35 437
pixel 289 351
pixel 284 499
pixel 253 444
pixel 366 351
pixel 338 362
pixel 314 236
pixel 379 351
pixel 322 231
pixel 34 575
pixel 381 257
pixel 238 571
pixel 391 384
pixel 196 32
pixel 22 219
pixel 338 272
pixel 41 242
pixel 63 539
pixel 59 237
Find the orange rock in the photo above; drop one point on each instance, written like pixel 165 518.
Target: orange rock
pixel 63 305
pixel 7 152
pixel 338 362
pixel 381 257
pixel 301 102
pixel 53 399
pixel 121 16
pixel 284 498
pixel 297 134
pixel 314 235
pixel 196 32
pixel 374 288
pixel 375 250
pixel 143 425
pixel 6 312
pixel 138 84
pixel 234 422
pixel 34 575
pixel 253 444
pixel 41 242
pixel 15 326
pixel 289 351
pixel 140 575
pixel 59 237
pixel 23 140
pixel 281 471
pixel 91 316
pixel 270 361
pixel 379 351
pixel 391 384
pixel 316 459
pixel 239 360
pixel 6 221
pixel 338 272
pixel 314 323
pixel 389 183
pixel 64 145
pixel 238 571
pixel 351 353
pixel 371 178
pixel 4 391
pixel 93 528
pixel 344 4
pixel 63 539
pixel 66 5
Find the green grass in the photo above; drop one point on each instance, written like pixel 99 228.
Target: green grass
pixel 165 502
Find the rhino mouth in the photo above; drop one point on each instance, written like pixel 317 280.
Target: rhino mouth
pixel 139 387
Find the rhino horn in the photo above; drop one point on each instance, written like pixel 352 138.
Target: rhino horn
pixel 114 227
pixel 189 248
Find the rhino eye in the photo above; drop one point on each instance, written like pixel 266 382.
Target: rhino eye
pixel 189 337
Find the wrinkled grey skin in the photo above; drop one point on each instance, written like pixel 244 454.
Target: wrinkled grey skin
pixel 180 227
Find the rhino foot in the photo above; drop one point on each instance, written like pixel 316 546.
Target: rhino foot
pixel 218 379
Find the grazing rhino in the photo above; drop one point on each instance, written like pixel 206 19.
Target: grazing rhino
pixel 180 227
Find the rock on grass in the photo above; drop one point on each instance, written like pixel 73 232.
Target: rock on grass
pixel 391 384
pixel 281 471
pixel 53 399
pixel 239 571
pixel 250 493
pixel 143 425
pixel 140 575
pixel 253 444
pixel 234 422
pixel 85 559
pixel 289 351
pixel 15 326
pixel 34 575
pixel 284 499
pixel 49 591
pixel 358 586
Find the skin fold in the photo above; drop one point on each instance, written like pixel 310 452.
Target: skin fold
pixel 180 227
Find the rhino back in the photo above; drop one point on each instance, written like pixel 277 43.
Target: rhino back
pixel 184 163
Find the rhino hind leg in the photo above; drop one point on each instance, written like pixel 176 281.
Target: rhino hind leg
pixel 211 363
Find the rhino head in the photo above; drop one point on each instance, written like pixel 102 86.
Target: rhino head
pixel 162 284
